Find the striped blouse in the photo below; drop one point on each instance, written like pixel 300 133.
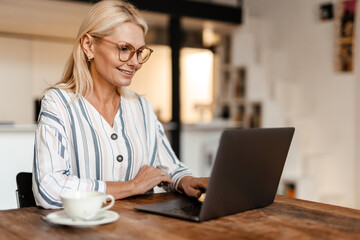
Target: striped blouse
pixel 76 148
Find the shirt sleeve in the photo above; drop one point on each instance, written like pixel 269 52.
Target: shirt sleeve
pixel 165 158
pixel 53 170
pixel 168 161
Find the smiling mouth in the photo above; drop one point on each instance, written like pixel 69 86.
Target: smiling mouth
pixel 126 72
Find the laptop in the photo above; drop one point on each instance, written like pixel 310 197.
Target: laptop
pixel 245 176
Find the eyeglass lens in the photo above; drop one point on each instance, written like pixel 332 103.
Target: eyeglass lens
pixel 126 52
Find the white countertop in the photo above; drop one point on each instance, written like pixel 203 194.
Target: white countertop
pixel 17 127
pixel 211 126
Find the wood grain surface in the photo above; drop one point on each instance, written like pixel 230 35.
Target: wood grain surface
pixel 286 218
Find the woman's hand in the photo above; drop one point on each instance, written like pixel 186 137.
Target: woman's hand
pixel 149 177
pixel 192 186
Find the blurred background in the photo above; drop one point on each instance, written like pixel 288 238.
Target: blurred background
pixel 216 64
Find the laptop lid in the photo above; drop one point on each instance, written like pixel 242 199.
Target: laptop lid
pixel 245 175
pixel 247 170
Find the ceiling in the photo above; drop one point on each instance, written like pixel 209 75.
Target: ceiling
pixel 41 17
pixel 62 19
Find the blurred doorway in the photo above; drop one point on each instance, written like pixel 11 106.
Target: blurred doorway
pixel 196 85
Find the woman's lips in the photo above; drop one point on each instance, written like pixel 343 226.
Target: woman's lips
pixel 130 73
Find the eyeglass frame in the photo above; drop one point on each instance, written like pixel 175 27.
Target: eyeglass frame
pixel 132 52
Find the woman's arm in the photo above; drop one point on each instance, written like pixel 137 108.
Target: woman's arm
pixel 147 178
pixel 54 168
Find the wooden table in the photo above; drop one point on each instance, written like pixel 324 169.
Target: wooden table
pixel 286 218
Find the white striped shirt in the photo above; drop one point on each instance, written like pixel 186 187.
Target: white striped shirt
pixel 76 148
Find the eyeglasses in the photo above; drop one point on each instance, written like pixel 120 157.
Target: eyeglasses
pixel 127 51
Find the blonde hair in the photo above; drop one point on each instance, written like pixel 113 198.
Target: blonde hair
pixel 99 22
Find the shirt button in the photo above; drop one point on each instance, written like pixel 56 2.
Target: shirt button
pixel 114 136
pixel 119 158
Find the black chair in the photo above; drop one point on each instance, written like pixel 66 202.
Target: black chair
pixel 24 191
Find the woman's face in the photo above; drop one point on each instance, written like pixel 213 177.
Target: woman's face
pixel 106 67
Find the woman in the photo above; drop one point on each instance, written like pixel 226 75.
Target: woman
pixel 94 135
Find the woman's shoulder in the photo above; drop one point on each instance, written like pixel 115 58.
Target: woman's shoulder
pixel 59 93
pixel 57 97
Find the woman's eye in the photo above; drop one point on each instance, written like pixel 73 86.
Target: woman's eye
pixel 125 48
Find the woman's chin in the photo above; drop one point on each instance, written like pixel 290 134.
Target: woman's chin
pixel 123 83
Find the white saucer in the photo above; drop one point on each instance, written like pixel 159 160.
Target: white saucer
pixel 60 217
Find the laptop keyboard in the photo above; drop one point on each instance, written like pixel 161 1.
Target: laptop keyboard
pixel 191 210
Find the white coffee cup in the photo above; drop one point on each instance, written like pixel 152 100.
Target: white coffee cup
pixel 82 205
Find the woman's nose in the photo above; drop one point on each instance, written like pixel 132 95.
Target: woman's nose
pixel 134 60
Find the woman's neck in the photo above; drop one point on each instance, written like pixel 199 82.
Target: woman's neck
pixel 106 100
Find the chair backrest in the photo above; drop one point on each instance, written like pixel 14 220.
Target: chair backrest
pixel 24 190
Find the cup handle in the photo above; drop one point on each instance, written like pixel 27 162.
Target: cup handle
pixel 110 204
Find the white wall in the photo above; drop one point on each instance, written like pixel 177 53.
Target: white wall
pixel 27 67
pixel 290 54
pixel 15 80
pixel 17 150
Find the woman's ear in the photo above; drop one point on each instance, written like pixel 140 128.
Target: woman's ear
pixel 87 44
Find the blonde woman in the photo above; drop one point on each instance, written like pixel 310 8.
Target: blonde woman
pixel 94 135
